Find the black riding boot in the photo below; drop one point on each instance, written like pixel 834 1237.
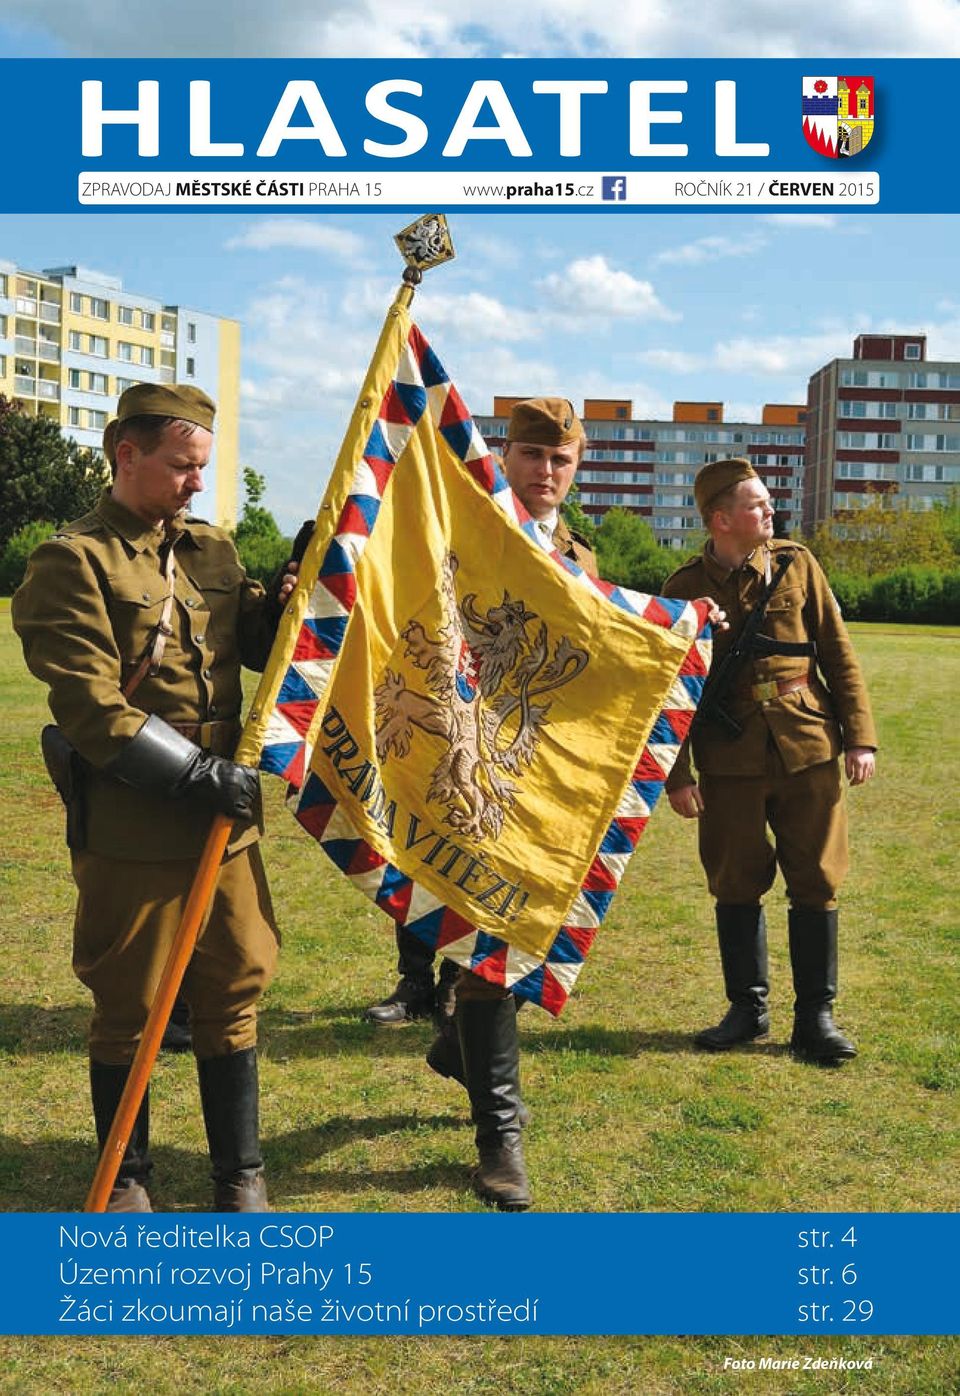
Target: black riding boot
pixel 813 956
pixel 229 1095
pixel 106 1087
pixel 742 933
pixel 491 1060
pixel 445 1058
pixel 414 995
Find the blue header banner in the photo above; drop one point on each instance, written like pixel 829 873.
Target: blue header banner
pixel 842 1275
pixel 613 135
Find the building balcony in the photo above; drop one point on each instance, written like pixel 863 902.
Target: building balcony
pixel 26 306
pixel 50 312
pixel 48 390
pixel 26 386
pixel 25 346
pixel 48 351
pixel 168 375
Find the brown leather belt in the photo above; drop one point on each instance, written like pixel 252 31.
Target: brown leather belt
pixel 776 688
pixel 210 735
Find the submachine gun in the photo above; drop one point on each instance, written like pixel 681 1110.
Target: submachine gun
pixel 749 644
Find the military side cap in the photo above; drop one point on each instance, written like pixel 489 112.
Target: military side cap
pixel 717 477
pixel 180 400
pixel 545 421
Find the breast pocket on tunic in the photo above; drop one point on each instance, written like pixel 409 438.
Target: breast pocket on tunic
pixel 220 587
pixel 784 617
pixel 135 608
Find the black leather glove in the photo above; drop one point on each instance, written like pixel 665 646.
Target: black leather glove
pixel 159 761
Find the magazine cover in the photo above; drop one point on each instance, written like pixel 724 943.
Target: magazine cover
pixel 478 593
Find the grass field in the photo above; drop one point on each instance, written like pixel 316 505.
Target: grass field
pixel 627 1117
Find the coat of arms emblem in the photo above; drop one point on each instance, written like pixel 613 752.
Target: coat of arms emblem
pixel 838 115
pixel 487 672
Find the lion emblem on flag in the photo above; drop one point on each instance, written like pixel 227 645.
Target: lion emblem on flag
pixel 487 673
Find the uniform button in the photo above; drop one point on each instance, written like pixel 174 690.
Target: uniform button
pixel 213 709
pixel 146 596
pixel 199 638
pixel 190 601
pixel 207 674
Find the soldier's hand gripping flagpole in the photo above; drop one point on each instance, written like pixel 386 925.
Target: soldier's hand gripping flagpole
pixel 423 244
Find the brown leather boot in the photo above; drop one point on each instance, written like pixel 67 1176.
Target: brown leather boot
pixel 229 1093
pixel 491 1061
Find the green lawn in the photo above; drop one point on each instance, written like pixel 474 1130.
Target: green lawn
pixel 627 1117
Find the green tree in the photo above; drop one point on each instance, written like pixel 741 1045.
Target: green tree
pixel 262 547
pixel 15 554
pixel 43 475
pixel 880 538
pixel 628 552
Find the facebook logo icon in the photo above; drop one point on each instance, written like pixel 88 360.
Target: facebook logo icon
pixel 614 187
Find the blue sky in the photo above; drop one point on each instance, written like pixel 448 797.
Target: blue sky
pixel 741 307
pixel 655 308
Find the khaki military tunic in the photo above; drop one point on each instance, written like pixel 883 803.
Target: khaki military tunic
pixel 797 714
pixel 85 614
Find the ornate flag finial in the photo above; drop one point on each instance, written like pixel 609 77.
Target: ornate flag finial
pixel 425 244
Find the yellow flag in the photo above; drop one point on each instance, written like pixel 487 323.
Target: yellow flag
pixel 475 730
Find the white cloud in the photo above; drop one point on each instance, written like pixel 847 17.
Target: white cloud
pixel 590 286
pixel 673 360
pixel 381 28
pixel 800 220
pixel 477 316
pixel 300 234
pixel 710 249
pixel 782 355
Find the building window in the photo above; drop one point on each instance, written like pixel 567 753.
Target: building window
pixel 911 351
pixel 125 314
pixel 147 319
pixel 73 416
pixel 125 352
pixel 96 421
pixel 712 414
pixel 75 378
pixel 76 340
pixel 146 356
pixel 191 368
pixel 191 332
pixel 3 365
pixel 76 302
pixel 124 383
pixel 99 309
pixel 98 345
pixel 3 284
pixel 98 382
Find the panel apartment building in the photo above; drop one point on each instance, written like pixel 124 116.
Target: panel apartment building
pixel 885 422
pixel 647 467
pixel 72 339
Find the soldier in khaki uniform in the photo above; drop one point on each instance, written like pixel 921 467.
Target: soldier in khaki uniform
pixel 479 1047
pixel 139 618
pixel 799 709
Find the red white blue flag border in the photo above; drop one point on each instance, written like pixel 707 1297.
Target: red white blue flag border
pixel 421 384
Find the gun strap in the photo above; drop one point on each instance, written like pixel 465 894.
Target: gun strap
pixel 152 656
